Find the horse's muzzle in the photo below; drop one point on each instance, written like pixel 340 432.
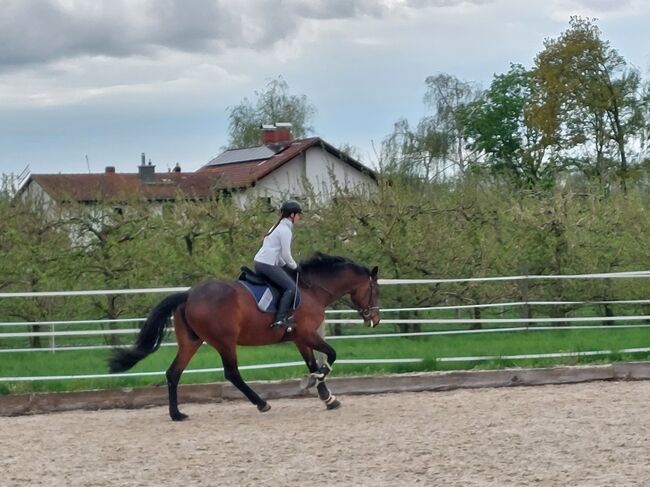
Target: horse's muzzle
pixel 372 322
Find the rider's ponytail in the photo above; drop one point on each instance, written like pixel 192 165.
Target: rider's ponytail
pixel 288 208
pixel 273 228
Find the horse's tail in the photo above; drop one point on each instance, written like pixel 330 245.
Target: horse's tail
pixel 150 337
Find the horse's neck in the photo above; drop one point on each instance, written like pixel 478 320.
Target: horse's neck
pixel 332 288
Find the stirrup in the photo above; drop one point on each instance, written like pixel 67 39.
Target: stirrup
pixel 284 322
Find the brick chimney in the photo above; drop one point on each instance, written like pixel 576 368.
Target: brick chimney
pixel 277 135
pixel 269 135
pixel 283 131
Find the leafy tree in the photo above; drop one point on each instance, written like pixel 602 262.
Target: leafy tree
pixel 414 154
pixel 273 104
pixel 436 146
pixel 446 95
pixel 35 257
pixel 497 125
pixel 587 99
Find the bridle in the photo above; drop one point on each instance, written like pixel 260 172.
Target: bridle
pixel 365 312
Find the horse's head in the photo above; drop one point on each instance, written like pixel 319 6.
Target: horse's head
pixel 365 298
pixel 332 277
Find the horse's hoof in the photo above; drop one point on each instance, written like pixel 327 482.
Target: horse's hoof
pixel 335 404
pixel 307 382
pixel 179 417
pixel 264 408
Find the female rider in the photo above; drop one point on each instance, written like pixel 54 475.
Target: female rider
pixel 275 254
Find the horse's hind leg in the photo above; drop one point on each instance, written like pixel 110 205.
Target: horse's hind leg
pixel 188 344
pixel 231 372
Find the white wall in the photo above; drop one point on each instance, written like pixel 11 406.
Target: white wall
pixel 34 193
pixel 285 182
pixel 325 171
pixel 320 169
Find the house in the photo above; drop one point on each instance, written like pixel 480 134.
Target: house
pixel 277 169
pixel 118 188
pixel 282 167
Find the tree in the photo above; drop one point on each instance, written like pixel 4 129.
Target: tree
pixel 414 154
pixel 436 147
pixel 446 95
pixel 273 104
pixel 35 257
pixel 587 99
pixel 497 125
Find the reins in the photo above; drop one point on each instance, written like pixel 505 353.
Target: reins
pixel 364 312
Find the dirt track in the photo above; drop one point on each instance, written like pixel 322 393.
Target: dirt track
pixel 594 434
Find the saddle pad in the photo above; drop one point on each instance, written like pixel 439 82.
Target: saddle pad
pixel 265 296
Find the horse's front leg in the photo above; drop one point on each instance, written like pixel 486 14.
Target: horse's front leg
pixel 318 373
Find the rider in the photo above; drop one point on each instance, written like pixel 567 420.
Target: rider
pixel 276 254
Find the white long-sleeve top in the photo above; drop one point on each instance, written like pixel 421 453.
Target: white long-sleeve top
pixel 276 247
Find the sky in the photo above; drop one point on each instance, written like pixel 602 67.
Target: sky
pixel 86 84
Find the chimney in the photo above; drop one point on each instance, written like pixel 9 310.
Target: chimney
pixel 110 170
pixel 146 172
pixel 269 134
pixel 283 132
pixel 276 136
pixel 177 168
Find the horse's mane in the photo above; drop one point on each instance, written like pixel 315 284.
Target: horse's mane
pixel 320 263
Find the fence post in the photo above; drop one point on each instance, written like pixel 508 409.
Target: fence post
pixel 523 290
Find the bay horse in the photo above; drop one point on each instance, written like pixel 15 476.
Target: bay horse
pixel 224 315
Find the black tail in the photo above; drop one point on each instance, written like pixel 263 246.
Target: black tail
pixel 150 337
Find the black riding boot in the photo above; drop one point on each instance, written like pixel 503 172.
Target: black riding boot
pixel 282 317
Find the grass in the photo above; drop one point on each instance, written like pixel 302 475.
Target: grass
pixel 428 348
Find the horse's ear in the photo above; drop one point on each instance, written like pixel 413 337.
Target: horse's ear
pixel 374 272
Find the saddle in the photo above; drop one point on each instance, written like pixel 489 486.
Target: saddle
pixel 265 293
pixel 249 275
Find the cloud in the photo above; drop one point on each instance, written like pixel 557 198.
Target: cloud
pixel 599 5
pixel 41 31
pixel 102 79
pixel 600 9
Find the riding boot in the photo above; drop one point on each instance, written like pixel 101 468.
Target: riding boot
pixel 282 317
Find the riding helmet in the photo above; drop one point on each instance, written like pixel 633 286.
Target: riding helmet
pixel 290 206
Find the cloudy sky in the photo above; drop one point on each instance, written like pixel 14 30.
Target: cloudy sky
pixel 90 83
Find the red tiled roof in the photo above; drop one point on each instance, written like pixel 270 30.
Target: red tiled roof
pixel 114 186
pixel 201 184
pixel 243 174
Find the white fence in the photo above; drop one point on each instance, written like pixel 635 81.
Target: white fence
pixel 636 321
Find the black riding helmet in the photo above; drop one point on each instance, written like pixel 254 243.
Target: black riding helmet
pixel 290 206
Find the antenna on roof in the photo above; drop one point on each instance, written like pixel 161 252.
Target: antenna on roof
pixel 21 178
pixel 87 164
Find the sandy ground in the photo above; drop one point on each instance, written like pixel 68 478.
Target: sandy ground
pixel 594 434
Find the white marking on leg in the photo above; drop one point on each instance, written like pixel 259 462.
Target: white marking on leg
pixel 330 399
pixel 321 375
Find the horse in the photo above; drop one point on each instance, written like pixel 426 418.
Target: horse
pixel 224 315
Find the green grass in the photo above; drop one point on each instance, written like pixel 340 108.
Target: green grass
pixel 428 348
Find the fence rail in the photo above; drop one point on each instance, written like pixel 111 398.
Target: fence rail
pixel 414 334
pixel 623 320
pixel 352 311
pixel 385 282
pixel 431 321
